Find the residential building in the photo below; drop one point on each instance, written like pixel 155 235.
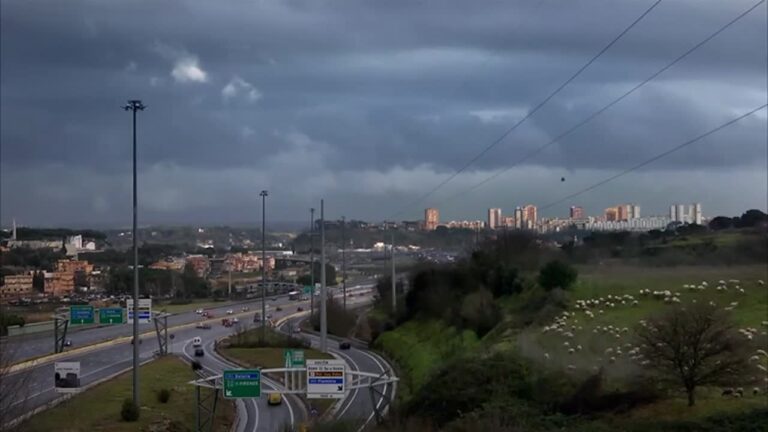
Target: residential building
pixel 15 287
pixel 476 224
pixel 577 212
pixel 635 214
pixel 611 214
pixel 681 214
pixel 622 212
pixel 61 284
pixel 530 215
pixel 509 221
pixel 696 213
pixel 431 219
pixel 673 213
pixel 494 218
pixel 72 266
pixel 169 263
pixel 200 264
pixel 519 217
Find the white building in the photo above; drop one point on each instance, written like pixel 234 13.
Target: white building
pixel 696 213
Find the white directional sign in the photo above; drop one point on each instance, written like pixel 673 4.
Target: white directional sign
pixel 145 311
pixel 326 379
pixel 66 378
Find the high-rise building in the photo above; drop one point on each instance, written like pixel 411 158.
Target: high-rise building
pixel 673 213
pixel 577 212
pixel 696 213
pixel 494 218
pixel 622 212
pixel 612 214
pixel 530 214
pixel 681 215
pixel 509 221
pixel 635 211
pixel 518 217
pixel 431 218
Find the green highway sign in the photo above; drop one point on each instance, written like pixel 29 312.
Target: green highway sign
pixel 81 314
pixel 242 383
pixel 111 315
pixel 294 358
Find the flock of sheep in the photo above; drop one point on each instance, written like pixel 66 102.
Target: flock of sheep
pixel 615 340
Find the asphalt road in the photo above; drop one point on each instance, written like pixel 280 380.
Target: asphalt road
pixel 253 414
pixel 36 383
pixel 25 347
pixel 358 406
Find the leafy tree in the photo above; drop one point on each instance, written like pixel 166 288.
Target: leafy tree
pixel 479 312
pixel 720 223
pixel 38 281
pixel 557 274
pixel 692 346
pixel 752 218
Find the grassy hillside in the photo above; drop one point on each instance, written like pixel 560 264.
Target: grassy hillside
pixel 421 347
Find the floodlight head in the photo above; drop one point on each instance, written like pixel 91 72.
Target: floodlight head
pixel 263 193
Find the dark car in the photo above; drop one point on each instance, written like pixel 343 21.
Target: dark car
pixel 299 309
pixel 279 309
pixel 344 345
pixel 68 343
pixel 199 352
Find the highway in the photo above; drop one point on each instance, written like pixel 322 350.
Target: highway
pixel 358 405
pixel 21 348
pixel 107 360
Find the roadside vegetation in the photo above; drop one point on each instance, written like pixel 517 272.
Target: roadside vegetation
pixel 100 407
pixel 593 335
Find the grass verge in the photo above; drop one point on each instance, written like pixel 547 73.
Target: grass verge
pixel 98 409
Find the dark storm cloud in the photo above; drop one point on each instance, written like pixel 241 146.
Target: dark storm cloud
pixel 363 89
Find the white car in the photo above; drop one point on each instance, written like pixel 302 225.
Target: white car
pixel 235 320
pixel 229 312
pixel 198 311
pixel 197 341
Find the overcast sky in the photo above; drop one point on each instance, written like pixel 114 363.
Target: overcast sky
pixel 371 104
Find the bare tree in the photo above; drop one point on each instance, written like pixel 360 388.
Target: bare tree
pixel 13 387
pixel 691 346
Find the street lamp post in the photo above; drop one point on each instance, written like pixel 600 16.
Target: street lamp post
pixel 134 106
pixel 323 295
pixel 263 195
pixel 312 264
pixel 344 261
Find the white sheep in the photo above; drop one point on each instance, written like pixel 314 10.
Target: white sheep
pixel 762 352
pixel 612 360
pixel 546 356
pixel 609 351
pixel 754 358
pixel 571 368
pixel 566 344
pixel 760 282
pixel 578 347
pixel 571 351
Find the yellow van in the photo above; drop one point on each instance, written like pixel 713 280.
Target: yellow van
pixel 274 399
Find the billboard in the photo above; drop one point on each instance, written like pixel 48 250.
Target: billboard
pixel 66 378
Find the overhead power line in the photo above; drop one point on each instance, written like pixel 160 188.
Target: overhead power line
pixel 606 107
pixel 532 111
pixel 653 159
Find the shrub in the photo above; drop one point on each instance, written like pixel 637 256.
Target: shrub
pixel 129 412
pixel 557 274
pixel 163 395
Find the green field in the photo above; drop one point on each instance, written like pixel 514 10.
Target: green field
pixel 98 409
pixel 590 340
